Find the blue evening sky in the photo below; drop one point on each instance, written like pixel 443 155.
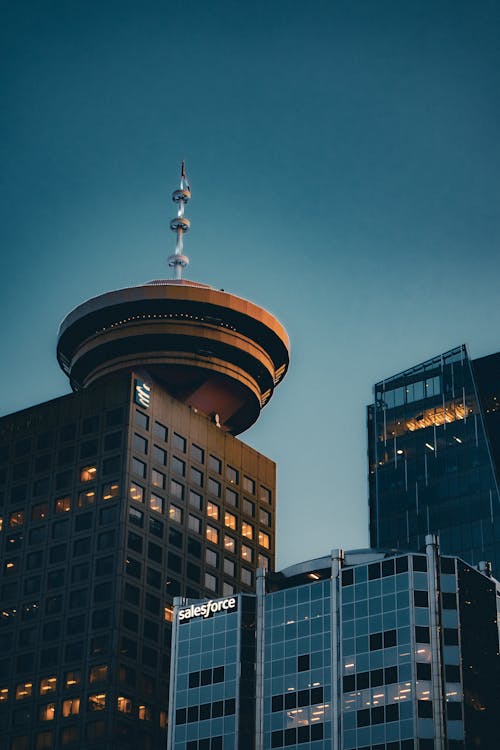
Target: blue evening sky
pixel 345 166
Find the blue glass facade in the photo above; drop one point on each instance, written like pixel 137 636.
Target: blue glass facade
pixel 434 446
pixel 360 651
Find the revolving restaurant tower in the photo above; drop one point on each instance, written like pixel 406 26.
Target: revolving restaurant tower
pixel 130 491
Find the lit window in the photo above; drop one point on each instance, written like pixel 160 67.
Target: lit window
pixel 168 614
pixel 211 582
pixel 39 512
pixel 144 713
pixel 229 520
pixel 16 518
pixel 264 540
pixel 71 707
pixel 156 503
pixel 246 553
pixel 124 705
pixel 249 485
pixel 98 673
pixel 110 490
pixel 10 566
pixel 24 690
pixel 247 530
pixel 229 543
pixel 88 473
pixel 194 523
pixel 136 492
pixel 212 534
pixel 63 504
pixel 48 685
pixel 213 511
pixel 86 498
pixel 72 679
pixel 1 523
pixel 163 719
pixel 97 702
pixel 175 513
pixel 4 694
pixel 47 712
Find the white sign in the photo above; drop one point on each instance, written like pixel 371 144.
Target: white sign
pixel 208 609
pixel 142 393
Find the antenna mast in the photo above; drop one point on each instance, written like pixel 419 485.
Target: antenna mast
pixel 180 224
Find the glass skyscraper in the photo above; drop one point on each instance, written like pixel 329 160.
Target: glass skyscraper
pixel 357 651
pixel 434 452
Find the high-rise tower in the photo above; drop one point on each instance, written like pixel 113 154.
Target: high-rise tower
pixel 129 491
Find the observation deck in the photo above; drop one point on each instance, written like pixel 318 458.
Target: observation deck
pixel 212 350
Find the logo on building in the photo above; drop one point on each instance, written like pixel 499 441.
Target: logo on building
pixel 208 609
pixel 142 394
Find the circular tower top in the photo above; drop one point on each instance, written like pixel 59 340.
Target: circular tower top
pixel 212 350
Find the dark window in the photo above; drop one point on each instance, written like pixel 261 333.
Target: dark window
pixel 276 703
pixel 349 683
pixel 156 527
pixel 104 566
pixel 277 738
pixel 316 695
pixel 347 577
pixel 424 709
pixel 290 700
pixel 401 564
pixel 175 537
pixel 363 717
pixel 303 663
pixel 103 591
pixel 111 465
pixel 136 517
pixel 392 712
pixel 452 673
pixel 133 567
pixel 373 571
pixel 422 634
pixel 153 577
pixel 363 680
pixel 82 546
pixel 419 563
pixel 454 711
pixel 375 642
pixel 57 553
pixel 154 552
pixel 112 441
pixel 132 594
pixel 449 601
pixel 423 671
pixel 83 522
pixel 450 636
pixel 421 598
pixel 389 638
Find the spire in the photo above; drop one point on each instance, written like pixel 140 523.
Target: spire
pixel 178 261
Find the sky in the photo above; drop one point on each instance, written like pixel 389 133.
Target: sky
pixel 344 162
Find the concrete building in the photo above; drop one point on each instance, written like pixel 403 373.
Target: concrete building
pixel 361 650
pixel 129 491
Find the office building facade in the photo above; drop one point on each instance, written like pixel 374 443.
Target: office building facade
pixel 434 452
pixel 359 651
pixel 130 491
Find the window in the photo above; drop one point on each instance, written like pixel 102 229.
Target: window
pixel 136 517
pixel 179 442
pixel 263 562
pixel 231 475
pixel 264 517
pixel 228 589
pixel 88 473
pixel 248 507
pixel 124 705
pixel 246 553
pixel 175 513
pixel 71 707
pixel 44 741
pixel 303 663
pixel 195 500
pixel 229 520
pixel 212 534
pixel 110 490
pixel 72 679
pixel 229 567
pixel 144 713
pixel 133 567
pixel 214 464
pixel 156 503
pixel 24 690
pixel 98 673
pixel 47 712
pixel 112 441
pixel 160 431
pixel 249 485
pixel 211 557
pixel 134 541
pixel 136 492
pixel 264 540
pixel 156 527
pixel 210 582
pixel 16 518
pixel 197 453
pixel 194 523
pixel 139 467
pixel 168 614
pixel 141 420
pixel 39 512
pixel 247 530
pixel 231 497
pixel 140 444
pixel 4 694
pixel 196 476
pixel 213 511
pixel 178 466
pixel 246 576
pixel 229 543
pixel 48 685
pixel 264 495
pixel 214 487
pixel 62 504
pixel 159 455
pixel 97 702
pixel 87 497
pixel 176 489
